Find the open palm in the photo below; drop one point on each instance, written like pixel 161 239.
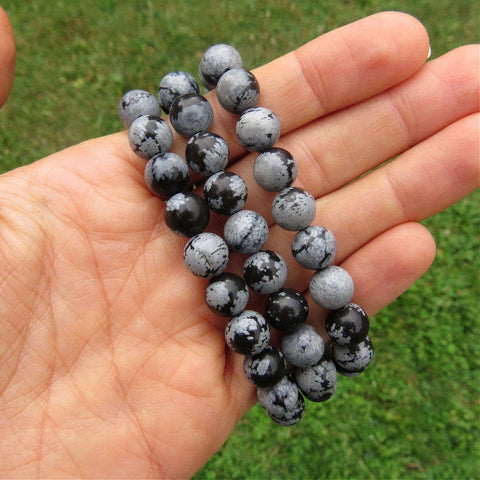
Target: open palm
pixel 111 363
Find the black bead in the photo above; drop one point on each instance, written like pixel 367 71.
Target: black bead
pixel 187 214
pixel 286 309
pixel 225 193
pixel 166 174
pixel 266 368
pixel 351 359
pixel 235 300
pixel 347 325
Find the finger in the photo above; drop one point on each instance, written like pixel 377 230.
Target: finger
pixel 382 270
pixel 338 148
pixel 335 70
pixel 7 56
pixel 423 181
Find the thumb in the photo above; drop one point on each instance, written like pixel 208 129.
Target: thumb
pixel 7 56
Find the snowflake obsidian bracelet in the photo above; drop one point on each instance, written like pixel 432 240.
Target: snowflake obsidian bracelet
pixel 305 365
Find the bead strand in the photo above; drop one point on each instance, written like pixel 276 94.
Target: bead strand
pixel 314 367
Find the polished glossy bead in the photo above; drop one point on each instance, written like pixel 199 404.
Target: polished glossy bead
pixel 187 214
pixel 275 169
pixel 136 103
pixel 279 397
pixel 206 255
pixel 294 208
pixel 265 272
pixel 216 61
pixel 227 294
pixel 303 347
pixel 174 84
pixel 166 174
pixel 149 135
pixel 246 231
pixel 318 382
pixel 353 358
pixel 258 129
pixel 347 325
pixel 191 113
pixel 331 288
pixel 290 416
pixel 237 90
pixel 247 333
pixel 266 368
pixel 225 193
pixel 286 309
pixel 314 247
pixel 207 153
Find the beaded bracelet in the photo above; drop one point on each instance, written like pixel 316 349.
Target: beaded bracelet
pixel 304 365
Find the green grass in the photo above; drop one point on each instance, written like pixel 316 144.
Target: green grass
pixel 414 414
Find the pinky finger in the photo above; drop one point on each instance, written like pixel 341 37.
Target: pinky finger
pixel 385 267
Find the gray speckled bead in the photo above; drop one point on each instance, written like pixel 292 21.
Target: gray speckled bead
pixel 174 84
pixel 282 396
pixel 227 294
pixel 191 113
pixel 303 347
pixel 216 61
pixel 294 208
pixel 237 90
pixel 206 255
pixel 207 153
pixel 258 129
pixel 166 174
pixel 136 103
pixel 290 416
pixel 149 135
pixel 246 231
pixel 266 368
pixel 353 358
pixel 314 247
pixel 225 193
pixel 275 169
pixel 318 382
pixel 331 288
pixel 265 272
pixel 247 333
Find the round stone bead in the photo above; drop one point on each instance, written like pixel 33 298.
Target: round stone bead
pixel 275 169
pixel 225 193
pixel 279 397
pixel 318 382
pixel 303 347
pixel 166 174
pixel 265 272
pixel 290 416
pixel 246 231
pixel 149 135
pixel 216 61
pixel 294 208
pixel 314 247
pixel 174 84
pixel 347 325
pixel 266 368
pixel 286 309
pixel 206 255
pixel 207 153
pixel 237 90
pixel 353 358
pixel 227 294
pixel 247 333
pixel 258 129
pixel 136 103
pixel 331 288
pixel 191 113
pixel 187 214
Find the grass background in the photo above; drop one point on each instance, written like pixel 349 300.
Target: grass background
pixel 415 413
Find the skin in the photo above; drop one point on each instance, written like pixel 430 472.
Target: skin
pixel 111 364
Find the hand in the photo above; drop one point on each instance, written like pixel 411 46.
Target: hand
pixel 111 364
